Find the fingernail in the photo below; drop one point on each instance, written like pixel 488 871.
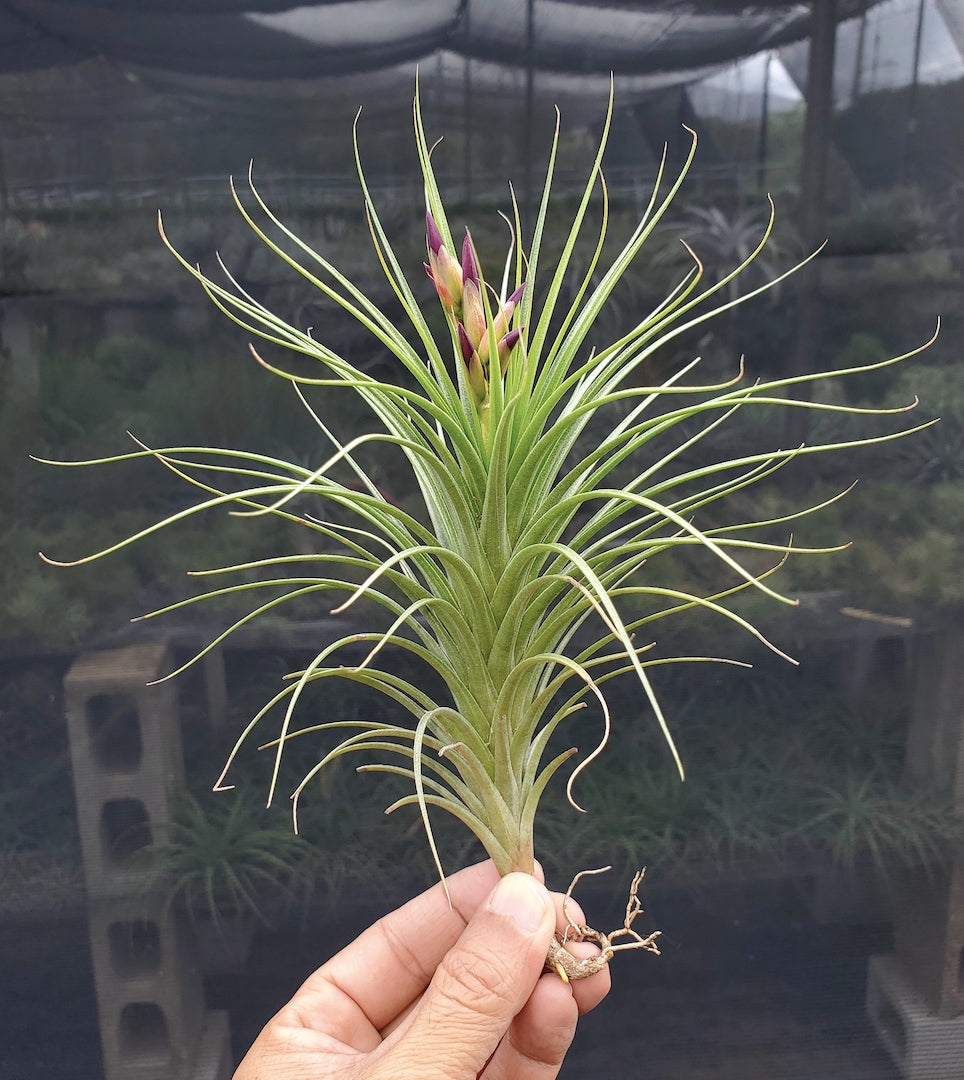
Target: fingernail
pixel 519 897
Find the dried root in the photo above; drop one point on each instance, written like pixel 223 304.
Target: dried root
pixel 568 967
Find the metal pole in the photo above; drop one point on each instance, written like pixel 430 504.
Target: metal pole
pixel 530 101
pixel 813 176
pixel 910 125
pixel 466 18
pixel 763 139
pixel 859 59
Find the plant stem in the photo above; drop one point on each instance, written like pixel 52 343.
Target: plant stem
pixel 523 859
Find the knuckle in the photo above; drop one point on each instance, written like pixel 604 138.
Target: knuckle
pixel 407 957
pixel 550 1053
pixel 475 979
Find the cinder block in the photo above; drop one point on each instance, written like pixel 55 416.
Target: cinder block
pixel 149 989
pixel 214 1055
pixel 922 1045
pixel 929 936
pixel 929 914
pixel 128 763
pixel 935 740
pixel 127 755
pixel 876 673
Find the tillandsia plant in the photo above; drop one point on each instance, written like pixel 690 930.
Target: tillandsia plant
pixel 510 584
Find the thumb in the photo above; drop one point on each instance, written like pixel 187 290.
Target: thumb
pixel 482 982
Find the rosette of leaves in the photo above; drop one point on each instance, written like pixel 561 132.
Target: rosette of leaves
pixel 222 861
pixel 511 582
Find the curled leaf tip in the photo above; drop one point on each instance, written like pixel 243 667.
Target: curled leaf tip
pixel 53 562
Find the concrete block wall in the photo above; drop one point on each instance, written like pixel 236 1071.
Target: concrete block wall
pixel 929 937
pixel 922 1045
pixel 128 761
pixel 149 991
pixel 935 741
pixel 929 926
pixel 128 765
pixel 915 996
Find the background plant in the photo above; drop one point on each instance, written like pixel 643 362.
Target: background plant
pixel 524 581
pixel 811 779
pixel 223 858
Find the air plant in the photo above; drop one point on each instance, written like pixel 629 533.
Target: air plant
pixel 511 582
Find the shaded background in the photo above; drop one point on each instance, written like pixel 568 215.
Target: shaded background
pixel 821 822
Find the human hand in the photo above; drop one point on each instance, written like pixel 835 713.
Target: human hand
pixel 433 993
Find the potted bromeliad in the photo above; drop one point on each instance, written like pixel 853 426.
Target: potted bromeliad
pixel 227 868
pixel 529 577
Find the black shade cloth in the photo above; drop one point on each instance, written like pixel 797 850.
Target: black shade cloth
pixel 272 39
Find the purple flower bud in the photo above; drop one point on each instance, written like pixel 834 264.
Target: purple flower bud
pixel 516 296
pixel 476 374
pixel 465 345
pixel 503 317
pixel 473 314
pixel 506 345
pixel 470 270
pixel 432 235
pixel 442 268
pixel 511 339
